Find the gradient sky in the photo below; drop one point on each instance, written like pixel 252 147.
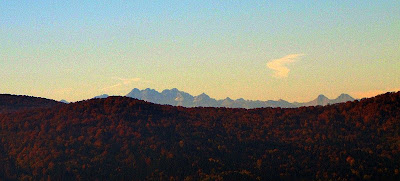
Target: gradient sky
pixel 292 50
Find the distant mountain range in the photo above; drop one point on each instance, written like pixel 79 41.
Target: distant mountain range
pixel 176 97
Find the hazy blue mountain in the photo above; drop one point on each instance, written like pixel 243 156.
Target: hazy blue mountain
pixel 168 96
pixel 101 96
pixel 204 100
pixel 176 97
pixel 64 101
pixel 342 98
pixel 279 103
pixel 148 94
pixel 321 100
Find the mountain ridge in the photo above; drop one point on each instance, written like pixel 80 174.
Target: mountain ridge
pixel 122 138
pixel 176 97
pixel 13 103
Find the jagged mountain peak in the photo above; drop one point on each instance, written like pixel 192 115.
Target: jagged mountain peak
pixel 344 96
pixel 201 99
pixel 173 90
pixel 176 97
pixel 228 99
pixel 321 96
pixel 134 91
pixel 150 90
pixel 203 95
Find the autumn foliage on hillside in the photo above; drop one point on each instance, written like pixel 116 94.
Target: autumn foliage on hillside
pixel 12 103
pixel 121 138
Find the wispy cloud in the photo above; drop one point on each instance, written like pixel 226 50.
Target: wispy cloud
pixel 372 93
pixel 125 81
pixel 112 87
pixel 280 65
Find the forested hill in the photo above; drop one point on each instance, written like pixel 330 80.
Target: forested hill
pixel 121 138
pixel 11 103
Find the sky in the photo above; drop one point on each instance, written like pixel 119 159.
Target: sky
pixel 251 49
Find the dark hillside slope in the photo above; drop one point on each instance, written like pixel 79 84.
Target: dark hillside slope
pixel 12 103
pixel 120 138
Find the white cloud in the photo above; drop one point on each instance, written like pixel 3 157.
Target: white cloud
pixel 280 65
pixel 113 86
pixel 125 81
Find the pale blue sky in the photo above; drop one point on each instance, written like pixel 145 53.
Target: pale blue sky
pixel 76 50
